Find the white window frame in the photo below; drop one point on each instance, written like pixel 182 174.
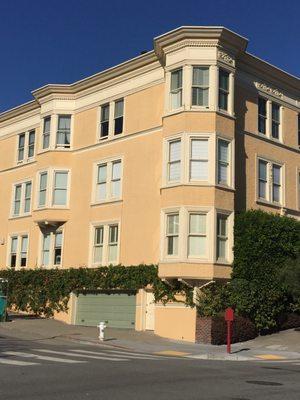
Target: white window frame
pixel 52 234
pixel 109 180
pixel 197 234
pixel 269 183
pixel 19 236
pixel 105 247
pixel 22 212
pixel 269 104
pixel 26 158
pixel 49 203
pixel 230 179
pixel 178 90
pixel 111 120
pixel 208 160
pixel 63 146
pixel 201 66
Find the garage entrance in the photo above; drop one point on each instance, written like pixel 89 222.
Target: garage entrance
pixel 116 309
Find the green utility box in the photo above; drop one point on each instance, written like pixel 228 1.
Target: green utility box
pixel 3 299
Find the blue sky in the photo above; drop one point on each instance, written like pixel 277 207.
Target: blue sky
pixel 61 41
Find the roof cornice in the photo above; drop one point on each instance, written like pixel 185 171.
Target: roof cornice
pixel 22 109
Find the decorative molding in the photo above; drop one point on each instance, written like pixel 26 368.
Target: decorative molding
pixel 191 43
pixel 225 58
pixel 268 89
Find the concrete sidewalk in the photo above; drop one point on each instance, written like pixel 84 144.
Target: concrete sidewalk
pixel 277 347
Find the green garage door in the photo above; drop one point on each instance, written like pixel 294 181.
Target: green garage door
pixel 116 309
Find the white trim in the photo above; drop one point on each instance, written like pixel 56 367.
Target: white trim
pixel 19 235
pixel 22 212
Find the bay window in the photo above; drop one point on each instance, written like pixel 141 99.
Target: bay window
pixel 199 160
pixel 176 89
pixel 200 86
pixel 197 235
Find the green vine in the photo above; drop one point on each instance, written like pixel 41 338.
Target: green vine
pixel 44 292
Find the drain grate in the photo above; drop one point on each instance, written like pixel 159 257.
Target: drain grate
pixel 265 383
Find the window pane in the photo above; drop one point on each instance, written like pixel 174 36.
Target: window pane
pixel 113 234
pixel 58 239
pixel 261 124
pixel 173 245
pixel 262 170
pixel 112 253
pixel 18 190
pixel 61 180
pixel 43 181
pixel 176 99
pixel 199 149
pixel 47 124
pixel 197 246
pixel 223 100
pixel 198 223
pixel 64 122
pixel 101 191
pixel 176 79
pixel 199 170
pixel 276 174
pixel 275 112
pixel 174 171
pixel 200 76
pixel 262 106
pixel 119 106
pixel 222 173
pixel 105 112
pixel 199 96
pixel 27 197
pixel 221 249
pixel 276 193
pixel 173 224
pixel 223 150
pixel 116 189
pixel 24 244
pixel 174 150
pixel 116 170
pixel 14 244
pixel 262 190
pixel 60 197
pixel 98 251
pixel 223 80
pixel 98 235
pixel 118 125
pixel 31 141
pixel 102 173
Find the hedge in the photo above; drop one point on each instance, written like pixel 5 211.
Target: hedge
pixel 43 291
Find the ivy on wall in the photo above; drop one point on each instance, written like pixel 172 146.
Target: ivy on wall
pixel 42 291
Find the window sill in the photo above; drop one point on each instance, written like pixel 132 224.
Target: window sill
pixel 51 208
pixel 19 216
pixel 198 184
pixel 269 203
pixel 174 112
pixel 225 113
pixel 225 187
pixel 270 138
pixel 223 262
pixel 25 162
pixel 111 137
pixel 100 203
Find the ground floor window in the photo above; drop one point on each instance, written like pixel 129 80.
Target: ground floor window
pixel 18 254
pixel 51 248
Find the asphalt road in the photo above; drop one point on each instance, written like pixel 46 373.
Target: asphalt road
pixel 56 369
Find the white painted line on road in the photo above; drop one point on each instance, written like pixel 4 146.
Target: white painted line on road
pixel 16 362
pixel 39 357
pixel 126 354
pixel 62 353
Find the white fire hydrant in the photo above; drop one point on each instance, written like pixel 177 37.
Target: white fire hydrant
pixel 101 328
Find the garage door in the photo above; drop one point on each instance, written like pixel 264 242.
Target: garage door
pixel 116 309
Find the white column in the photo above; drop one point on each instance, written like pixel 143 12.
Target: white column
pixel 187 87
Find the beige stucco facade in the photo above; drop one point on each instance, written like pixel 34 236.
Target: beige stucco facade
pixel 188 154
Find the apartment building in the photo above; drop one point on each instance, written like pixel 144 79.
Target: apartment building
pixel 147 162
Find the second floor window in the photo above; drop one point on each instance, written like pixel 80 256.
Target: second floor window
pixel 262 115
pixel 176 89
pixel 269 181
pixel 22 199
pixel 46 132
pixel 223 162
pixel 223 89
pixel 200 86
pixel 275 120
pixel 26 144
pixel 53 188
pixel 108 181
pixel 172 234
pixel 199 160
pixel 63 137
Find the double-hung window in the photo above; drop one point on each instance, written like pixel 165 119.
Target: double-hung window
pixel 22 199
pixel 18 254
pixel 51 248
pixel 46 132
pixel 26 144
pixel 172 234
pixel 269 181
pixel 21 147
pixel 262 115
pixel 275 121
pixel 223 162
pixel 222 237
pixel 105 244
pixel 60 188
pixel 197 242
pixel 42 199
pixel 174 161
pixel 176 89
pixel 223 89
pixel 199 160
pixel 118 117
pixel 104 124
pixel 108 185
pixel 63 136
pixel 200 86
